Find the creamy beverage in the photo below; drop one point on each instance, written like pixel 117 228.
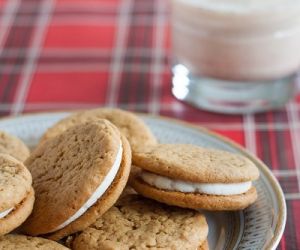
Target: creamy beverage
pixel 240 40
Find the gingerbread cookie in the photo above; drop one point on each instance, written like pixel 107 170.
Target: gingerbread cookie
pixel 16 193
pixel 134 129
pixel 77 176
pixel 16 242
pixel 13 146
pixel 195 177
pixel 139 223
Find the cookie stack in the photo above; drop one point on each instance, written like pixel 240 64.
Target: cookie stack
pixel 80 170
pixel 16 193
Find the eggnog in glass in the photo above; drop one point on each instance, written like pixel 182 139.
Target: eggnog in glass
pixel 235 56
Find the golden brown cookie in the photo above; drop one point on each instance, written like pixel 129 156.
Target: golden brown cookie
pixel 194 200
pixel 204 246
pixel 196 164
pixel 16 242
pixel 135 130
pixel 128 190
pixel 77 176
pixel 195 177
pixel 13 146
pixel 139 223
pixel 16 193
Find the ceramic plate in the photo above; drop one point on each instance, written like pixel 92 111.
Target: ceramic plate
pixel 258 227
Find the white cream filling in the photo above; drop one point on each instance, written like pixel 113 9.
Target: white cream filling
pixel 166 183
pixel 6 212
pixel 99 191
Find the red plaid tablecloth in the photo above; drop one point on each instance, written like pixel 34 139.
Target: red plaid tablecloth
pixel 70 54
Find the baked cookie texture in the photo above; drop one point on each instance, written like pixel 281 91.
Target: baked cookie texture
pixel 16 217
pixel 139 223
pixel 194 164
pixel 13 146
pixel 204 246
pixel 105 202
pixel 67 170
pixel 16 193
pixel 15 181
pixel 195 200
pixel 134 129
pixel 16 242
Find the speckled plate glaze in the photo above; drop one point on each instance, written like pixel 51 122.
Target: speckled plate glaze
pixel 257 227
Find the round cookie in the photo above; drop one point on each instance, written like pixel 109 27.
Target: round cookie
pixel 13 146
pixel 16 193
pixel 135 130
pixel 194 177
pixel 77 176
pixel 15 242
pixel 139 223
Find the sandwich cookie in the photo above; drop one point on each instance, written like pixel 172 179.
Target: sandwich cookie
pixel 13 146
pixel 16 193
pixel 16 242
pixel 134 129
pixel 77 176
pixel 138 223
pixel 195 177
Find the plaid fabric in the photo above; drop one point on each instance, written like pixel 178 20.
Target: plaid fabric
pixel 70 54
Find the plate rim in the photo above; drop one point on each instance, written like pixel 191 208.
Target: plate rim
pixel 279 230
